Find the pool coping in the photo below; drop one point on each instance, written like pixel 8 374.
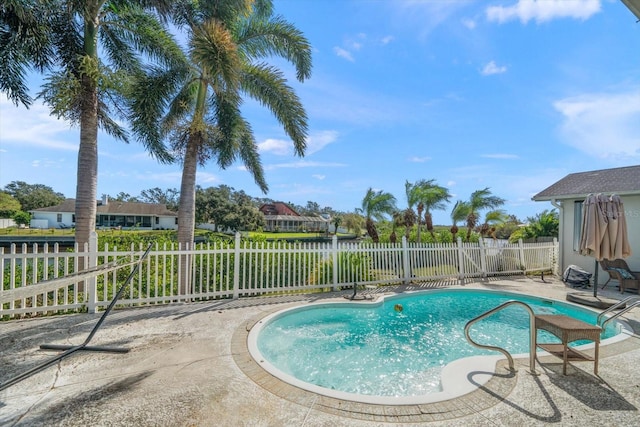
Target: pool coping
pixel 487 392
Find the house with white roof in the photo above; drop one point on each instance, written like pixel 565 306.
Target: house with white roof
pixel 110 214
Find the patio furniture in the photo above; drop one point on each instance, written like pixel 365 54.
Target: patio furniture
pixel 568 330
pixel 620 271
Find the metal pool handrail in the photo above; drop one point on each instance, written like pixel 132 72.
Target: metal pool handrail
pixel 532 334
pixel 615 306
pixel 618 314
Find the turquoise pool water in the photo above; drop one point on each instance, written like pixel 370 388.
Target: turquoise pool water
pixel 377 350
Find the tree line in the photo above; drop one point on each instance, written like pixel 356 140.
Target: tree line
pixel 227 208
pixel 231 209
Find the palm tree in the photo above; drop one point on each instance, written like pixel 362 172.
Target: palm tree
pixel 87 90
pixel 491 219
pixel 429 196
pixel 411 191
pixel 375 205
pixel 196 105
pixel 337 220
pixel 545 223
pixel 353 222
pixel 459 213
pixel 480 200
pixel 408 219
pixel 24 43
pixel 433 197
pixel 396 219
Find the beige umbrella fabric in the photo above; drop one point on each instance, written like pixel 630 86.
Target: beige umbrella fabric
pixel 604 230
pixel 618 241
pixel 594 226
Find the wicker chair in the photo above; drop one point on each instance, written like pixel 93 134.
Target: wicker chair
pixel 620 271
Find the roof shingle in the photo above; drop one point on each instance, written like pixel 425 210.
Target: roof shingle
pixel 620 181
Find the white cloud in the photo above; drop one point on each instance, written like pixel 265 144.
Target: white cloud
pixel 386 40
pixel 492 68
pixel 318 176
pixel 604 125
pixel 543 10
pixel 342 53
pixel 426 16
pixel 319 140
pixel 500 156
pixel 451 184
pixel 305 164
pixel 48 163
pixel 34 127
pixel 315 143
pixel 469 23
pixel 279 147
pixel 205 177
pixel 416 159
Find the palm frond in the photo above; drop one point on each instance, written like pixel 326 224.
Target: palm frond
pixel 248 150
pixel 214 51
pixel 131 30
pixel 261 38
pixel 24 43
pixel 267 85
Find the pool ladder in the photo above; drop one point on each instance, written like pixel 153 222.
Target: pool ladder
pixel 635 303
pixel 532 334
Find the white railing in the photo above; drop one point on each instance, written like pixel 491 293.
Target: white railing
pixel 41 280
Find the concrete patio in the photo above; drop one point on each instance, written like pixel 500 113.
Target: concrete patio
pixel 189 366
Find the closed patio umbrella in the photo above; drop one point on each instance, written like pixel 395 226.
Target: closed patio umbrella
pixel 619 246
pixel 604 230
pixel 594 226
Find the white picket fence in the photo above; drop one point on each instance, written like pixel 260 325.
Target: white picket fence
pixel 43 280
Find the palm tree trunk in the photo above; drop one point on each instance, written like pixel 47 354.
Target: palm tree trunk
pixel 87 175
pixel 371 230
pixel 187 212
pixel 420 209
pixel 187 208
pixel 87 172
pixel 87 180
pixel 454 232
pixel 428 219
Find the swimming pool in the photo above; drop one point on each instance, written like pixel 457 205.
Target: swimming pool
pixel 398 349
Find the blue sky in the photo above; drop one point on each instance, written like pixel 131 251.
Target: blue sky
pixel 506 94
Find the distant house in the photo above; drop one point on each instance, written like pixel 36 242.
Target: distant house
pixel 569 193
pixel 110 214
pixel 279 216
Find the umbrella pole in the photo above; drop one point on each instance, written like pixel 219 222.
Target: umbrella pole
pixel 595 281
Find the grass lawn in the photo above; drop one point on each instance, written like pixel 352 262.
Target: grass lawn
pixel 295 236
pixel 33 232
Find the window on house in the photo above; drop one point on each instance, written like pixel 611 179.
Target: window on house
pixel 59 217
pixel 157 220
pixel 176 220
pixel 577 224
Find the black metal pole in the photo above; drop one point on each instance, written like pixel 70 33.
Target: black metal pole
pixel 595 281
pixel 72 349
